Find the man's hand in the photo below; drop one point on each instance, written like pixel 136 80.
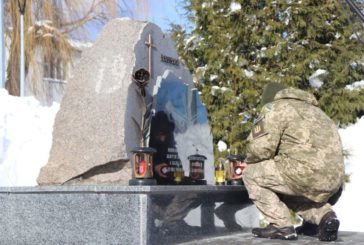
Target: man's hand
pixel 162 170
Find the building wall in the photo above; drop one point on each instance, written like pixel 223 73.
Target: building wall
pixel 39 83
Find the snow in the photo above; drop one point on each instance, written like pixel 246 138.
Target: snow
pixel 245 117
pixel 45 23
pixel 355 86
pixel 248 73
pixel 354 36
pixel 26 136
pixel 315 80
pixel 221 146
pixel 190 40
pixel 213 77
pixel 217 88
pixel 287 16
pixel 234 7
pixel 349 206
pixel 79 45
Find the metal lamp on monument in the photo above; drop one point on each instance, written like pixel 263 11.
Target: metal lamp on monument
pixel 197 169
pixel 142 162
pixel 235 169
pixel 142 156
pixel 220 173
pixel 178 173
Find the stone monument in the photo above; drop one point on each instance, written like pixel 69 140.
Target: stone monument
pixel 100 117
pixel 112 102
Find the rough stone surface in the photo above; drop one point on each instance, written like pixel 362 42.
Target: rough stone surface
pixel 71 217
pixel 99 120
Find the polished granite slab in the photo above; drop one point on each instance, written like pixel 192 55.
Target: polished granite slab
pixel 122 214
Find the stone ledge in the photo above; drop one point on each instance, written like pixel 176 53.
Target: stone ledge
pixel 124 189
pixel 113 214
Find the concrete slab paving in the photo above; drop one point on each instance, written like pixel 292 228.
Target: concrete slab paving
pixel 246 238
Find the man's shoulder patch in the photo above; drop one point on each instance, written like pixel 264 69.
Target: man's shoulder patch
pixel 258 128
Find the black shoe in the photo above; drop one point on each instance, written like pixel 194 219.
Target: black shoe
pixel 328 227
pixel 285 233
pixel 307 229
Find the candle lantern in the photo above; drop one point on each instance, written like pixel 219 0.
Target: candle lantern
pixel 142 164
pixel 220 174
pixel 178 173
pixel 235 169
pixel 197 169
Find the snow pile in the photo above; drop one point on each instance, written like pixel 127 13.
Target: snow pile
pixel 349 207
pixel 25 138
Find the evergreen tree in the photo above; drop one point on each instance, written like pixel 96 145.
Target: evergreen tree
pixel 236 47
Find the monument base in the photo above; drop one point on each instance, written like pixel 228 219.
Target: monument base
pixel 122 214
pixel 195 182
pixel 142 182
pixel 234 182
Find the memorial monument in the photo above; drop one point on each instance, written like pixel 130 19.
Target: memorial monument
pixel 128 90
pixel 102 112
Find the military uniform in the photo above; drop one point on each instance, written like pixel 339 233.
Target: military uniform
pixel 295 159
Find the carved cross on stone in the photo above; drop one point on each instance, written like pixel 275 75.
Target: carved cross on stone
pixel 150 48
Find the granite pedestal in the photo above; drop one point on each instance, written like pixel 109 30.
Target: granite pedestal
pixel 119 214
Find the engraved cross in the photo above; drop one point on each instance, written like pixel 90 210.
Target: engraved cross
pixel 150 48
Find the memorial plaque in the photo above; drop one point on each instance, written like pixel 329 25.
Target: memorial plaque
pixel 187 120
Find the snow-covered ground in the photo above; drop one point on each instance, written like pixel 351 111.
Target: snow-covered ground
pixel 26 136
pixel 350 206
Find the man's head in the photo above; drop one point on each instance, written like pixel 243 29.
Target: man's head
pixel 270 90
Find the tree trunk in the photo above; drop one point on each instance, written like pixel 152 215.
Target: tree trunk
pixel 13 73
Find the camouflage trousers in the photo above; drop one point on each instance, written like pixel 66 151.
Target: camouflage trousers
pixel 274 199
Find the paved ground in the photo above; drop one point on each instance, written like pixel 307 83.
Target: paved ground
pixel 245 238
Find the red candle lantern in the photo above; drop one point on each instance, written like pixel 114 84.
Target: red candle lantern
pixel 235 169
pixel 142 163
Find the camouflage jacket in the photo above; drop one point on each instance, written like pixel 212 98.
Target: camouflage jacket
pixel 303 141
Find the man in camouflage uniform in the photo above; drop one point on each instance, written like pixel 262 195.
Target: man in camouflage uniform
pixel 294 162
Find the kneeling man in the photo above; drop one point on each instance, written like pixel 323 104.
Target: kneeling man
pixel 294 162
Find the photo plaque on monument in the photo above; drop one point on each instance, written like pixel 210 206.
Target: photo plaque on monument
pixel 187 120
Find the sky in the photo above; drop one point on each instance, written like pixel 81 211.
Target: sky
pixel 159 12
pixel 164 12
pixel 26 138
